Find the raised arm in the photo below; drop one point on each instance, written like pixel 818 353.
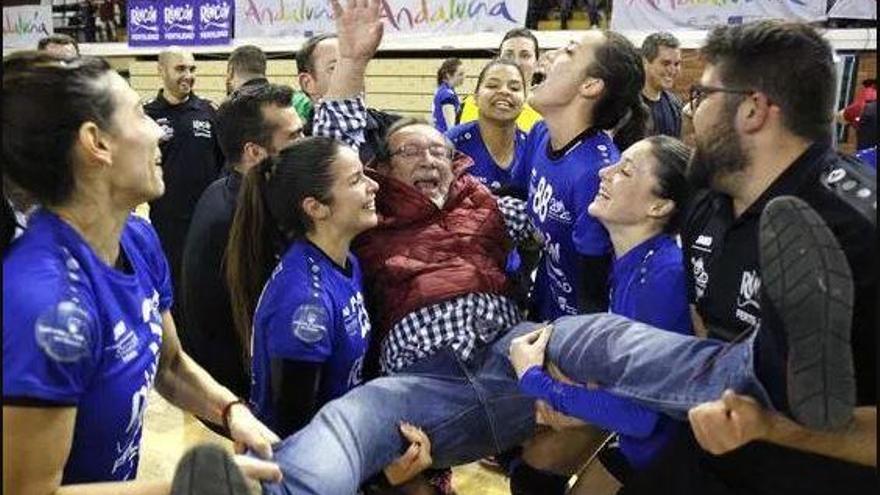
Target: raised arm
pixel 342 114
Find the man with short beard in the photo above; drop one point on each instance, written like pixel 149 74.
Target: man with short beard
pixel 763 120
pixel 191 157
pixel 256 122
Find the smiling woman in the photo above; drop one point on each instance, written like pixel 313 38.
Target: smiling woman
pixel 494 142
pixel 84 346
pixel 303 318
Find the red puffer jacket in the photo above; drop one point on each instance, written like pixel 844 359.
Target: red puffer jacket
pixel 421 255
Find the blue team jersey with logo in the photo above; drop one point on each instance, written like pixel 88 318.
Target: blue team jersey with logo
pixel 444 95
pixel 310 310
pixel 81 333
pixel 468 140
pixel 560 188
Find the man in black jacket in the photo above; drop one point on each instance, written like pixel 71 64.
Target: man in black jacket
pixel 253 124
pixel 762 117
pixel 191 158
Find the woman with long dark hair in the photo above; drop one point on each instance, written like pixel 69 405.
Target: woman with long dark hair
pixel 641 201
pixel 87 327
pixel 446 104
pixel 591 108
pixel 296 287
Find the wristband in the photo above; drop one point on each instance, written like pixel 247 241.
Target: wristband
pixel 227 409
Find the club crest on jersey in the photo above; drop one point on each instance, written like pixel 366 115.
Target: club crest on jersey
pixel 62 332
pixel 309 323
pixel 126 342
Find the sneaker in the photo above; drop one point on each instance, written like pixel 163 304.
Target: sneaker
pixel 208 470
pixel 807 280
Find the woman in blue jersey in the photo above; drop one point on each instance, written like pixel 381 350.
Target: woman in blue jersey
pixel 640 202
pixel 446 104
pixel 591 91
pixel 493 141
pixel 296 288
pixel 87 331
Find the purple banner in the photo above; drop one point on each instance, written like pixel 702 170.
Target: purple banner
pixel 215 21
pixel 144 22
pixel 180 22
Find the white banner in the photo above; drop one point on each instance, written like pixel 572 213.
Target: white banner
pixel 854 9
pixel 667 15
pixel 24 25
pixel 273 18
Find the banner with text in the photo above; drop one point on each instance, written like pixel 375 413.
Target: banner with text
pixel 853 9
pixel 668 15
pixel 272 18
pixel 179 22
pixel 24 23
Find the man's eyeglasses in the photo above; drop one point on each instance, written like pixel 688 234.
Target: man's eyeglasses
pixel 412 151
pixel 699 93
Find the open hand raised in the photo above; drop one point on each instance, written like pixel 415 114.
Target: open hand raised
pixel 358 28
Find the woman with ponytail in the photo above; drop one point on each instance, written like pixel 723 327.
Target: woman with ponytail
pixel 592 111
pixel 445 105
pixel 87 326
pixel 296 287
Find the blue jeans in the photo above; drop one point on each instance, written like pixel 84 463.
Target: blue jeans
pixel 473 409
